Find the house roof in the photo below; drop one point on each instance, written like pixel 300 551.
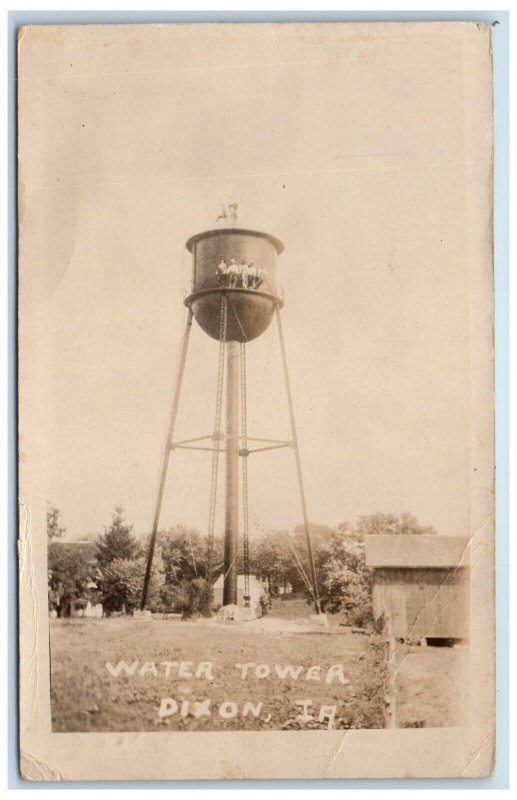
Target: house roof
pixel 73 542
pixel 416 550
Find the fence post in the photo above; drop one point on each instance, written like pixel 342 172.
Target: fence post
pixel 390 699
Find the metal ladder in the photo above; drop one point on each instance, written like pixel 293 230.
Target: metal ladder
pixel 217 437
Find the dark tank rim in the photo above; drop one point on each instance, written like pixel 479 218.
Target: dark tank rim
pixel 277 244
pixel 235 291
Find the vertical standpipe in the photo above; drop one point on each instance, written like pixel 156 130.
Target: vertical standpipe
pixel 231 529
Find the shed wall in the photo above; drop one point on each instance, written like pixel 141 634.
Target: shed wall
pixel 423 602
pixel 255 592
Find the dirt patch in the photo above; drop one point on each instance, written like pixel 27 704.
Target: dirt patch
pixel 273 625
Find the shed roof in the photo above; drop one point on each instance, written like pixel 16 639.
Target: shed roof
pixel 219 583
pixel 416 550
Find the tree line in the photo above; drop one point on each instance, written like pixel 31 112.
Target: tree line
pixel 109 569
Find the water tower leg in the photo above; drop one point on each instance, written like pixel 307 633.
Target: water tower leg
pixel 231 531
pixel 166 456
pixel 294 437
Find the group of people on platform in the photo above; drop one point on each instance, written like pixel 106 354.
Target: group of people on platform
pixel 242 276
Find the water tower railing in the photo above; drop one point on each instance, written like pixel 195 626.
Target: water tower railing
pixel 208 288
pixel 233 276
pixel 213 284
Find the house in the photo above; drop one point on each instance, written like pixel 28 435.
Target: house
pixel 93 611
pixel 69 563
pixel 256 591
pixel 421 583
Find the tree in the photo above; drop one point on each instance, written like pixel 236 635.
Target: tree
pixel 405 523
pixel 54 529
pixel 120 585
pixel 321 536
pixel 117 541
pixel 184 552
pixel 344 580
pixel 270 559
pixel 71 574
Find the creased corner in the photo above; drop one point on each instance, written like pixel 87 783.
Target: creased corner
pixel 22 30
pixel 482 762
pixel 33 770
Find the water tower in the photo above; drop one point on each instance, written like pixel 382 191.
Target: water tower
pixel 234 297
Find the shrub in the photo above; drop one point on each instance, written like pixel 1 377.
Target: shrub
pixel 193 598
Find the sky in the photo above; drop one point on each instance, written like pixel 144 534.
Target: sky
pixel 350 147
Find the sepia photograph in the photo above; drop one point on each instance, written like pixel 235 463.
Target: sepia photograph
pixel 256 399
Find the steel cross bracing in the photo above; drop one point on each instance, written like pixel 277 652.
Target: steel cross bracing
pixel 188 444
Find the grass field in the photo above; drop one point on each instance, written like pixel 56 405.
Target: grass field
pixel 85 696
pixel 431 686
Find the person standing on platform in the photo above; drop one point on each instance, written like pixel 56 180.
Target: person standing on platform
pixel 233 273
pixel 252 276
pixel 244 273
pixel 221 270
pixel 263 278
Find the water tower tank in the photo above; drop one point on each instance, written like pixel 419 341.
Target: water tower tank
pixel 250 310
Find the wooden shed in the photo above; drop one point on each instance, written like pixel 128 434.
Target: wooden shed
pixel 256 591
pixel 421 582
